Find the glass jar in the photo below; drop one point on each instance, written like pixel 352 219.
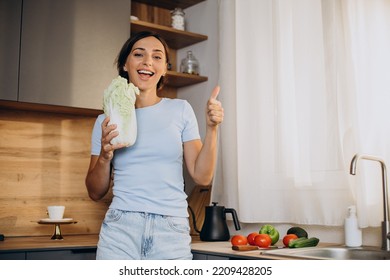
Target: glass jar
pixel 190 64
pixel 178 18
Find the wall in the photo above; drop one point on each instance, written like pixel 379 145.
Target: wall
pixel 207 54
pixel 44 158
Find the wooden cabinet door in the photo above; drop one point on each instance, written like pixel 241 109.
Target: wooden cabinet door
pixel 10 18
pixel 68 48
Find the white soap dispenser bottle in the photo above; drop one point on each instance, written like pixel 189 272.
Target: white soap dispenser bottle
pixel 353 234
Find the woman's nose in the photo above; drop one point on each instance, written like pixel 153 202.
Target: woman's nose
pixel 148 61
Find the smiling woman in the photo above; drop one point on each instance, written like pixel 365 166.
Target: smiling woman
pixel 149 206
pixel 315 93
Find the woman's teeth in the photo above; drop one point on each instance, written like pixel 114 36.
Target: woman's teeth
pixel 145 72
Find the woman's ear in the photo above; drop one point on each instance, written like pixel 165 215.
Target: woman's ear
pixel 124 68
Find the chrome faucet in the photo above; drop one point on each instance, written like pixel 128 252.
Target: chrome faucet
pixel 385 222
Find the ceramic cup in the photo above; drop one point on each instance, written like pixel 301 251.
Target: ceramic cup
pixel 56 212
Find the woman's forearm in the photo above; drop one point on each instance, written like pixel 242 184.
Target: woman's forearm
pixel 98 177
pixel 206 160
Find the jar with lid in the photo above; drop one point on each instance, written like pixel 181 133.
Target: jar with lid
pixel 178 18
pixel 190 64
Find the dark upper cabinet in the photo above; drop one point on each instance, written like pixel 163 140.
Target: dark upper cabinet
pixel 68 48
pixel 10 19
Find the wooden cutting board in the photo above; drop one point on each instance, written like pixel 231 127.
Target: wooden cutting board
pixel 197 201
pixel 244 247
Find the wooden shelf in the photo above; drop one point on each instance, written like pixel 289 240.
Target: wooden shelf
pixel 177 80
pixel 176 39
pixel 170 4
pixel 26 106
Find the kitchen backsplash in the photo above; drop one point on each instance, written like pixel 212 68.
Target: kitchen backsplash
pixel 44 158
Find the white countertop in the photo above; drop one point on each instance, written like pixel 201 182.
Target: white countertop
pixel 224 249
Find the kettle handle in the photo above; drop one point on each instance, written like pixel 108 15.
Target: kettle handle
pixel 235 217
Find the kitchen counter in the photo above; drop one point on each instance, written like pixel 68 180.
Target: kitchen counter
pixel 84 247
pixel 73 247
pixel 223 250
pixel 32 243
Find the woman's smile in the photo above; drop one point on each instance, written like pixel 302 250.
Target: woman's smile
pixel 145 74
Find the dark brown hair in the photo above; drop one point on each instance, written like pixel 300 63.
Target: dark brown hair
pixel 128 46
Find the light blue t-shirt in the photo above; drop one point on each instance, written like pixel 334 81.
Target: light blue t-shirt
pixel 148 176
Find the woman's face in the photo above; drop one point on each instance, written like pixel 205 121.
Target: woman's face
pixel 146 63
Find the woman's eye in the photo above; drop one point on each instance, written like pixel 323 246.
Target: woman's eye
pixel 158 57
pixel 138 54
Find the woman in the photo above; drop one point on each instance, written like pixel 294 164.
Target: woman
pixel 148 217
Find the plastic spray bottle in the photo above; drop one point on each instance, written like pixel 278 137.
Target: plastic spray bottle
pixel 353 234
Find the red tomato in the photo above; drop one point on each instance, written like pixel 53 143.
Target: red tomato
pixel 238 240
pixel 287 238
pixel 251 238
pixel 263 240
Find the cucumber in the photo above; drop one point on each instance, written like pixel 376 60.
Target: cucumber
pixel 298 231
pixel 304 242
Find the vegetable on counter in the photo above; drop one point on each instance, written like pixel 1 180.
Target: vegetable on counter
pixel 271 231
pixel 288 238
pixel 263 240
pixel 251 238
pixel 298 231
pixel 303 242
pixel 238 239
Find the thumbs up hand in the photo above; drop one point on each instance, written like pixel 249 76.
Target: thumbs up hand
pixel 214 109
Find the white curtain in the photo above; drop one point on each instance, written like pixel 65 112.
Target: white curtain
pixel 305 86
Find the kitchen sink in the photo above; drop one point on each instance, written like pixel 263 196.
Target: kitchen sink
pixel 332 253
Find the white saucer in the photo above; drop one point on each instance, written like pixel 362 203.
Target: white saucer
pixel 48 220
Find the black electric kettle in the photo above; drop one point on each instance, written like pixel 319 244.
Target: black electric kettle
pixel 215 227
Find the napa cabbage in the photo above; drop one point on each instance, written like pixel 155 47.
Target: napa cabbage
pixel 119 104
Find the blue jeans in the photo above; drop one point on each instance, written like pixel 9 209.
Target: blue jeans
pixel 128 235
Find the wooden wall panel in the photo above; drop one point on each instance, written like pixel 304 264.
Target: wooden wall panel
pixel 44 158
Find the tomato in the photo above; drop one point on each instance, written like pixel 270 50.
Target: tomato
pixel 238 240
pixel 263 240
pixel 251 238
pixel 287 238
